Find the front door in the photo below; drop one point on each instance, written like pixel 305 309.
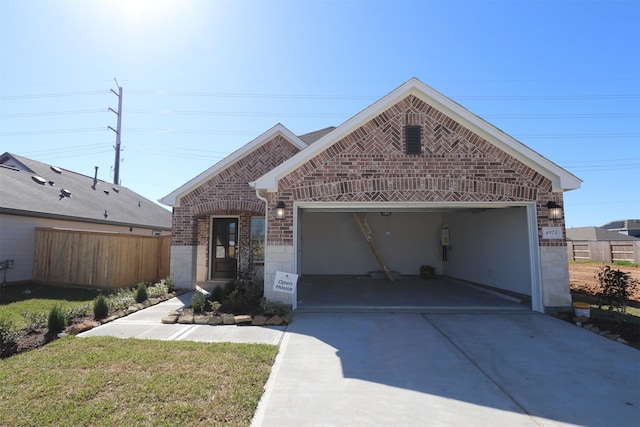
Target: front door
pixel 224 241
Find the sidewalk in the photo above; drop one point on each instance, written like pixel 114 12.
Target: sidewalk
pixel 147 324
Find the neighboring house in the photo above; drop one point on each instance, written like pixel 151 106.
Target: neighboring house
pixel 602 245
pixel 630 227
pixel 35 194
pixel 434 184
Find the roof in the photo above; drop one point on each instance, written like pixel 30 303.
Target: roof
pixel 173 198
pixel 311 137
pixel 32 188
pixel 561 179
pixel 596 234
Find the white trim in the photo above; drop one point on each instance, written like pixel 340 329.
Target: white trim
pixel 534 259
pixel 173 198
pixel 562 180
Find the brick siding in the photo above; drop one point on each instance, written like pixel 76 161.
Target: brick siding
pixel 370 165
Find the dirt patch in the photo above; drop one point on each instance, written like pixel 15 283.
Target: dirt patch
pixel 583 279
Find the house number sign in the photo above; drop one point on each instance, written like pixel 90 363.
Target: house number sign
pixel 552 232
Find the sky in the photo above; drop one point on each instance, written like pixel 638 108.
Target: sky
pixel 202 78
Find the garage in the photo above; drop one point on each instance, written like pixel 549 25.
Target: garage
pixel 481 257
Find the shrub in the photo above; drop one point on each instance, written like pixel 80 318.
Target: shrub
pixel 56 320
pixel 198 302
pixel 100 307
pixel 171 286
pixel 215 306
pixel 234 300
pixel 229 287
pixel 122 299
pixel 272 308
pixel 217 294
pixel 34 321
pixel 157 291
pixel 615 288
pixel 75 311
pixel 8 337
pixel 141 293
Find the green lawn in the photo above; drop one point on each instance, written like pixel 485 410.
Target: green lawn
pixel 18 299
pixel 109 381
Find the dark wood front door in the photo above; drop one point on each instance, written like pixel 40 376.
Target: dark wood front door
pixel 224 245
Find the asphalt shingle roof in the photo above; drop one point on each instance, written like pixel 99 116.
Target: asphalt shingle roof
pixel 596 234
pixel 22 194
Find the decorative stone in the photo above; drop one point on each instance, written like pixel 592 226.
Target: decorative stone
pixel 200 319
pixel 242 318
pixel 77 328
pixel 170 319
pixel 259 320
pixel 132 309
pixel 274 320
pixel 185 319
pixel 140 306
pixel 215 320
pixel 613 336
pixel 228 319
pixel 174 313
pixel 604 332
pixel 622 340
pixel 109 319
pixel 288 318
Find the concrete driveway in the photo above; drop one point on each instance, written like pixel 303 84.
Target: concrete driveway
pixel 522 369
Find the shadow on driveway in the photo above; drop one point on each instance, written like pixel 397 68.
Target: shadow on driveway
pixel 449 369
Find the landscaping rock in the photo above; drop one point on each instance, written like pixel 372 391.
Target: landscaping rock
pixel 170 319
pixel 215 320
pixel 186 319
pixel 274 320
pixel 200 319
pixel 288 318
pixel 110 319
pixel 77 328
pixel 132 309
pixel 259 320
pixel 140 306
pixel 613 336
pixel 228 319
pixel 242 318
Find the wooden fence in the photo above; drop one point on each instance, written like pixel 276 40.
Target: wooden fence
pixel 608 251
pixel 99 259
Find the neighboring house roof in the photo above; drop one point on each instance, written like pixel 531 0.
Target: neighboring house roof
pixel 311 137
pixel 561 179
pixel 596 234
pixel 173 198
pixel 32 188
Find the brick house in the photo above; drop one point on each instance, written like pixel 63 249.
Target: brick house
pixel 434 184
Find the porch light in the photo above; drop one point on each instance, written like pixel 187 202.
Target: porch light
pixel 280 210
pixel 555 210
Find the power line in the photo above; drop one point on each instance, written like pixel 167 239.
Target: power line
pixel 52 95
pixel 51 113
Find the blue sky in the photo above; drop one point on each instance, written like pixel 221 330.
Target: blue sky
pixel 202 78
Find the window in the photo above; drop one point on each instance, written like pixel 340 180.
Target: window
pixel 257 238
pixel 412 139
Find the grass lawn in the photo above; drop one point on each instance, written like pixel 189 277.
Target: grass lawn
pixel 39 299
pixel 110 381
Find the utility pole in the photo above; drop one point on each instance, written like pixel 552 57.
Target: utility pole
pixel 118 131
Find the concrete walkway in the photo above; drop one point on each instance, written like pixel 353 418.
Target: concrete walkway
pixel 448 370
pixel 410 369
pixel 146 324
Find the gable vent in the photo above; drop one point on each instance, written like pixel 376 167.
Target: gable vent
pixel 412 139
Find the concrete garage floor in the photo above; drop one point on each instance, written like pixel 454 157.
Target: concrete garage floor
pixel 407 293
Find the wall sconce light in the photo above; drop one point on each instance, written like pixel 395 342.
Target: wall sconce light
pixel 555 210
pixel 280 210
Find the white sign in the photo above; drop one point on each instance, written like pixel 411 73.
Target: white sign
pixel 552 232
pixel 285 282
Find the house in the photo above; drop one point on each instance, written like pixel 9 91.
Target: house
pixel 630 227
pixel 602 245
pixel 429 183
pixel 35 194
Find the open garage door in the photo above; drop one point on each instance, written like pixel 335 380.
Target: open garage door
pixel 487 248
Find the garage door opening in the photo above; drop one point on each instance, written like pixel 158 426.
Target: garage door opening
pixel 481 259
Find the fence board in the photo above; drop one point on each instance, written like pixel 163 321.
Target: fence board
pixel 98 259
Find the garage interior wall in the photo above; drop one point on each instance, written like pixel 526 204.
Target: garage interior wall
pixel 333 243
pixel 490 247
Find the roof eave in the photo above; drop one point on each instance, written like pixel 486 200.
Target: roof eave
pixel 173 199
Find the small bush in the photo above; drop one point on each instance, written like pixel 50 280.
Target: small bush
pixel 158 290
pixel 198 302
pixel 234 300
pixel 229 288
pixel 217 294
pixel 272 308
pixel 141 293
pixel 171 286
pixel 615 288
pixel 122 299
pixel 100 307
pixel 56 320
pixel 34 321
pixel 215 306
pixel 75 311
pixel 8 337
